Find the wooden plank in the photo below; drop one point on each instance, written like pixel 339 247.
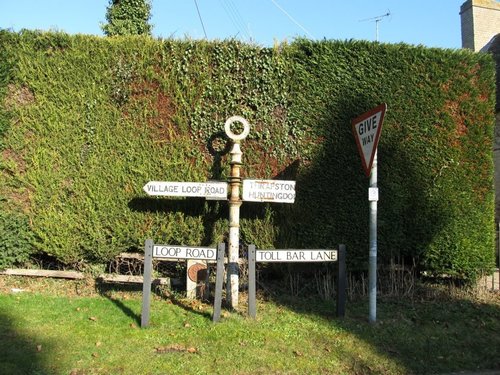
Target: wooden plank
pixel 44 273
pixel 112 278
pixel 138 256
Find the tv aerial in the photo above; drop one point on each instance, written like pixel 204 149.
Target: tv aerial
pixel 377 19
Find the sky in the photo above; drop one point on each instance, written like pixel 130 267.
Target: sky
pixel 432 23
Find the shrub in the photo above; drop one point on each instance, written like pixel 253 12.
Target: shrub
pixel 107 115
pixel 16 240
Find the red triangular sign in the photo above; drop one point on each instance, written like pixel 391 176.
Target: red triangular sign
pixel 366 129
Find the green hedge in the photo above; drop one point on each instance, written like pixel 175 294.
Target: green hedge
pixel 87 121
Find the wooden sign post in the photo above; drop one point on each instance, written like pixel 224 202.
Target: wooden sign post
pixel 180 252
pixel 287 256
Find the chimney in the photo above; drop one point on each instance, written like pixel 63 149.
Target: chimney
pixel 480 22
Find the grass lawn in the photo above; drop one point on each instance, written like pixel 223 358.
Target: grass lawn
pixel 52 327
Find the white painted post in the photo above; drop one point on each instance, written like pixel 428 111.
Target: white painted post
pixel 372 266
pixel 366 129
pixel 234 209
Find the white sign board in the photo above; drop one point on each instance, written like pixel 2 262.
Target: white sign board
pixel 183 252
pixel 296 255
pixel 277 191
pixel 210 190
pixel 366 129
pixel 372 194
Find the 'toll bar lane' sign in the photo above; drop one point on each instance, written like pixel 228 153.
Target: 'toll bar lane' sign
pixel 366 129
pixel 276 191
pixel 183 252
pixel 296 255
pixel 209 190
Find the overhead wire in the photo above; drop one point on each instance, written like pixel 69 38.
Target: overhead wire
pixel 292 19
pixel 235 16
pixel 201 19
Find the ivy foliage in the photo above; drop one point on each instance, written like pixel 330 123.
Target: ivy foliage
pixel 128 17
pixel 90 120
pixel 16 246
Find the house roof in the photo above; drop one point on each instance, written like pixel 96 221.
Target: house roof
pixel 493 47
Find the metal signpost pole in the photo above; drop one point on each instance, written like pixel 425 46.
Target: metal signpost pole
pixel 234 209
pixel 372 267
pixel 366 129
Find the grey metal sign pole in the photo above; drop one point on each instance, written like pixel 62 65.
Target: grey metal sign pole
pixel 234 208
pixel 366 129
pixel 372 266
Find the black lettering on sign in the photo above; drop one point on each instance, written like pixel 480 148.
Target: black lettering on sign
pixel 194 189
pixel 167 252
pixel 295 256
pixel 368 125
pixel 367 139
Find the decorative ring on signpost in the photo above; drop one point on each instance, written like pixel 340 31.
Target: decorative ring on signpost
pixel 229 132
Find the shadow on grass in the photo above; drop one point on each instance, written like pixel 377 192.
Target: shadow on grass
pixel 20 354
pixel 433 333
pixel 190 306
pixel 108 290
pixel 436 336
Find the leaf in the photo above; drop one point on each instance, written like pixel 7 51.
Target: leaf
pixel 175 348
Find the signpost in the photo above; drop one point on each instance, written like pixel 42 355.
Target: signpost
pixel 308 255
pixel 277 191
pixel 180 252
pixel 183 252
pixel 209 190
pixel 274 191
pixel 296 255
pixel 366 129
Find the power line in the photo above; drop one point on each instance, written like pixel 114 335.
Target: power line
pixel 292 19
pixel 201 19
pixel 235 17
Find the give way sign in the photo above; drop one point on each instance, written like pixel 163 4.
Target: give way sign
pixel 366 129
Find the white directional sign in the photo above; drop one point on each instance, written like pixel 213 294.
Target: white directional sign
pixel 183 252
pixel 296 255
pixel 209 190
pixel 366 129
pixel 277 191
